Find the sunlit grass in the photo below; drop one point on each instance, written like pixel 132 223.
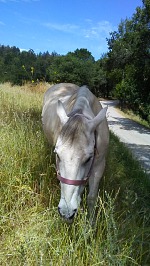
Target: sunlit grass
pixel 128 113
pixel 32 232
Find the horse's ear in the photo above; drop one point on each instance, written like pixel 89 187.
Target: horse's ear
pixel 61 112
pixel 98 119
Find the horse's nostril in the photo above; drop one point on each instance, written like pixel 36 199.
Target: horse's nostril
pixel 72 216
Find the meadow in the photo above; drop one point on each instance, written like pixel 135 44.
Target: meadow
pixel 31 231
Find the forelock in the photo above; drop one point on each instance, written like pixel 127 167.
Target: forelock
pixel 73 128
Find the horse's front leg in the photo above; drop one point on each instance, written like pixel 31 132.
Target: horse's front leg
pixel 94 180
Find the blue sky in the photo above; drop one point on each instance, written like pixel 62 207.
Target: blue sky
pixel 62 25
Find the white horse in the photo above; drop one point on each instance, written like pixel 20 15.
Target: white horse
pixel 75 123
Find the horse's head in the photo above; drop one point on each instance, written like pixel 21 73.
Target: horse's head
pixel 75 149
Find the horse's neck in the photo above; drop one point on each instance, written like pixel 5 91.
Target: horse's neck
pixel 83 101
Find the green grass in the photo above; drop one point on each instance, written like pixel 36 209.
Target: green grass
pixel 32 232
pixel 128 113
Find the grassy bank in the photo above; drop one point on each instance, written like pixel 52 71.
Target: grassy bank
pixel 128 113
pixel 32 232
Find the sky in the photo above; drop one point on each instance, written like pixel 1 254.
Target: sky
pixel 62 25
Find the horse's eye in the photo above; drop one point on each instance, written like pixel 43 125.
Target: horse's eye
pixel 57 156
pixel 87 160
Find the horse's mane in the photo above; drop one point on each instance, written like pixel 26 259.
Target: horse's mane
pixel 74 126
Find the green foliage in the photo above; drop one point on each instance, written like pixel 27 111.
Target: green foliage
pixel 75 67
pixel 100 79
pixel 129 60
pixel 32 232
pixel 20 67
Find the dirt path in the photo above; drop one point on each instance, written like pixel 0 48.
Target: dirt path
pixel 135 136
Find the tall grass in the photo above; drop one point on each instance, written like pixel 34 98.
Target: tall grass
pixel 32 232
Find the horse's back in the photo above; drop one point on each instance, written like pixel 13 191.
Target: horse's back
pixel 60 92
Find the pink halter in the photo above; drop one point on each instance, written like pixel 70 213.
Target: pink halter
pixel 72 182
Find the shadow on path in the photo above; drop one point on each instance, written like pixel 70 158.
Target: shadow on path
pixel 128 124
pixel 135 136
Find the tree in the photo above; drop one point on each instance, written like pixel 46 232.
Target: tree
pixel 129 60
pixel 73 67
pixel 82 54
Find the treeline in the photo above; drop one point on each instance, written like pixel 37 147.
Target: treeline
pixel 124 72
pixel 19 67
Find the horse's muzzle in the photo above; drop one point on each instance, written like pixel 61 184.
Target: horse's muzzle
pixel 68 218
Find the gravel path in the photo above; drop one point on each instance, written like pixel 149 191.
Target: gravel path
pixel 135 136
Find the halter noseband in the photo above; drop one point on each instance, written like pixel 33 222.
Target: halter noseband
pixel 70 181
